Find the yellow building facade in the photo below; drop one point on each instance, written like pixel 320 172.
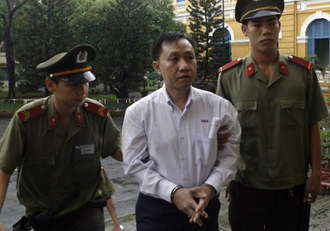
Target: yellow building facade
pixel 305 30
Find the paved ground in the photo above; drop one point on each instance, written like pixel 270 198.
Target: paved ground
pixel 127 192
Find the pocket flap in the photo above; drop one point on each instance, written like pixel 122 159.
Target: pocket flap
pixel 292 103
pixel 246 105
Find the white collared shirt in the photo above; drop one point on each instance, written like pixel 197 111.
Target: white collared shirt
pixel 164 147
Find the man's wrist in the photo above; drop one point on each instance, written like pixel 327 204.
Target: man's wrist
pixel 174 190
pixel 213 191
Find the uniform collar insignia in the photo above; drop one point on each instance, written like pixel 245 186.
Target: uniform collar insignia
pixel 250 69
pixel 283 69
pixel 53 121
pixel 78 117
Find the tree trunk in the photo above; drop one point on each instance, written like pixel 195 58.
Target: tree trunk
pixel 10 62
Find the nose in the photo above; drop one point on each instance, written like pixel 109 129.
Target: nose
pixel 266 29
pixel 183 65
pixel 82 88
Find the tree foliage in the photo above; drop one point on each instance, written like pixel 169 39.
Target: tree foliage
pixel 44 31
pixel 122 31
pixel 207 28
pixel 8 12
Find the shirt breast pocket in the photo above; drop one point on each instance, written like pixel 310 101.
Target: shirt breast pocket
pixel 205 150
pixel 86 169
pixel 42 168
pixel 247 113
pixel 293 110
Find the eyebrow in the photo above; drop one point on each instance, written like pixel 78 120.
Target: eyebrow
pixel 176 53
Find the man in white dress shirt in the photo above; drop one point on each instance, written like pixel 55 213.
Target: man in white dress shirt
pixel 170 147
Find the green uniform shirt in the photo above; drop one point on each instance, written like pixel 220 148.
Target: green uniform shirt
pixel 275 118
pixel 51 164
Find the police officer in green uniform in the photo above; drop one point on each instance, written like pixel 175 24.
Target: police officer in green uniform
pixel 280 103
pixel 56 144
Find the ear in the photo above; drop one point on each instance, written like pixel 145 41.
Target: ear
pixel 279 25
pixel 50 85
pixel 156 66
pixel 244 29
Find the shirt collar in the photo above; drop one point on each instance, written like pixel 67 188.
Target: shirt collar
pixel 53 116
pixel 191 97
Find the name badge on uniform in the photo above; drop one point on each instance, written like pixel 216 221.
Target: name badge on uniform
pixel 84 149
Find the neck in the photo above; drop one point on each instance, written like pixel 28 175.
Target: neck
pixel 266 58
pixel 179 97
pixel 63 111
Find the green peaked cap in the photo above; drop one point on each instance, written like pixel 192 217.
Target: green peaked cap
pixel 71 66
pixel 248 9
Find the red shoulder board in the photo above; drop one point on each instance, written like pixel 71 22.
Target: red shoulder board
pixel 229 65
pixel 97 109
pixel 31 113
pixel 302 62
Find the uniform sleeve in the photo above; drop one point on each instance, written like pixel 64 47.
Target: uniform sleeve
pixel 317 107
pixel 135 152
pixel 225 168
pixel 107 188
pixel 221 87
pixel 111 139
pixel 12 145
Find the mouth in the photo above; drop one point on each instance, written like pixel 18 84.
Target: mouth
pixel 80 100
pixel 267 40
pixel 185 77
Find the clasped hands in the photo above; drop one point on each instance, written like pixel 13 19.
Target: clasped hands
pixel 184 199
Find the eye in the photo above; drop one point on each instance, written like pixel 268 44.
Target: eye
pixel 174 59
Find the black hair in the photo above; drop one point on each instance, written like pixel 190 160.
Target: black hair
pixel 168 38
pixel 202 84
pixel 54 80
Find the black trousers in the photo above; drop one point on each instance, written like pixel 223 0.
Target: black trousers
pixel 154 214
pixel 88 218
pixel 253 209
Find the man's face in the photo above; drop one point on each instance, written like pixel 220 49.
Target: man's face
pixel 263 33
pixel 177 64
pixel 68 94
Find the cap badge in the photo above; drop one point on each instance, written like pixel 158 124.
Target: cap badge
pixel 82 57
pixel 256 0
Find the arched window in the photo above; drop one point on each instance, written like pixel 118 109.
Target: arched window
pixel 319 41
pixel 223 53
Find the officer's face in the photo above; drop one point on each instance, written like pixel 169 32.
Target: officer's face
pixel 68 94
pixel 263 33
pixel 177 64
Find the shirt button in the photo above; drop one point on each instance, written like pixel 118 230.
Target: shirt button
pixel 182 138
pixel 185 178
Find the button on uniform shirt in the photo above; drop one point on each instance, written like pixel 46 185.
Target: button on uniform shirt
pixel 164 147
pixel 275 117
pixel 52 164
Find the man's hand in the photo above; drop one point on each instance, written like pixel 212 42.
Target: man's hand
pixel 204 194
pixel 185 202
pixel 227 193
pixel 313 187
pixel 223 138
pixel 2 227
pixel 116 228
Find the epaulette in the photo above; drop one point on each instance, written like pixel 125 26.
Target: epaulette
pixel 31 112
pixel 229 65
pixel 97 109
pixel 302 62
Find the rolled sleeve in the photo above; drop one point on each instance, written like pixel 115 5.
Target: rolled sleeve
pixel 225 168
pixel 136 159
